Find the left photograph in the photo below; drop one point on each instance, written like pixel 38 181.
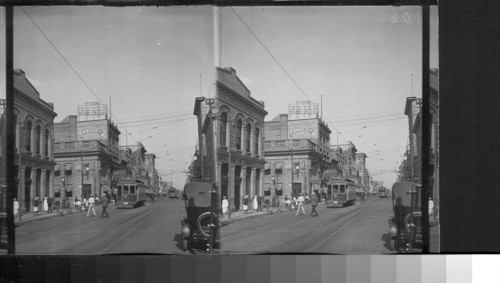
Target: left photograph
pixel 107 106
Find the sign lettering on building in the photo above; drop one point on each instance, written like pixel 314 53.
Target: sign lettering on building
pixel 303 110
pixel 300 129
pixel 92 111
pixel 92 130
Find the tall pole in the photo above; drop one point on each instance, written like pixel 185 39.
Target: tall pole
pixel 81 169
pixel 229 179
pixel 10 133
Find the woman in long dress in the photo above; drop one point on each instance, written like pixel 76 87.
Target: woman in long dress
pixel 225 205
pixel 45 205
pixel 255 203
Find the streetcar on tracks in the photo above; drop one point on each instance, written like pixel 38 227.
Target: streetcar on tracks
pixel 173 193
pixel 132 193
pixel 383 192
pixel 341 192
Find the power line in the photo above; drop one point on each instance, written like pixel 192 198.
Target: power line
pixel 269 52
pixel 73 69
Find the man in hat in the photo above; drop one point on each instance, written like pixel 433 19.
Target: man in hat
pixel 314 203
pixel 104 203
pixel 300 205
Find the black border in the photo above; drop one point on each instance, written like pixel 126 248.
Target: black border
pixel 469 68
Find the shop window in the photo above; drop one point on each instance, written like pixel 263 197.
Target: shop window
pixel 278 171
pixel 267 172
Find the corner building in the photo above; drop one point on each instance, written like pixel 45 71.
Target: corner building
pixel 33 157
pixel 240 127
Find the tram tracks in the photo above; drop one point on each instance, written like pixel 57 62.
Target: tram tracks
pixel 284 237
pixel 86 237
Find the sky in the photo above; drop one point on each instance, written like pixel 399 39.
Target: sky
pixel 154 61
pixel 149 60
pixel 360 61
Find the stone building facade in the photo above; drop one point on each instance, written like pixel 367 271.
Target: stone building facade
pixel 239 127
pixel 33 161
pixel 297 154
pixel 87 154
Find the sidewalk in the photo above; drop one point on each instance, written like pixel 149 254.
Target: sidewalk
pixel 28 217
pixel 239 215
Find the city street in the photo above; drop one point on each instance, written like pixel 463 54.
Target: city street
pixel 357 229
pixel 151 229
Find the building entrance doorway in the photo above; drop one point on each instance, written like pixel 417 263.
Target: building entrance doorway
pixel 296 189
pixel 86 190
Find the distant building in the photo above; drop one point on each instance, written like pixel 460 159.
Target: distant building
pixel 87 154
pixel 298 155
pixel 34 161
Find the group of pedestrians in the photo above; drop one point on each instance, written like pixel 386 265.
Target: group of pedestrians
pixel 104 201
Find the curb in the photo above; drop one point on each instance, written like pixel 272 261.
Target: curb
pixel 228 221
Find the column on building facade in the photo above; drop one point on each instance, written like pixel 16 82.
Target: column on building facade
pixel 42 144
pixel 20 190
pixel 18 138
pixel 252 133
pixel 261 182
pixel 33 185
pixel 51 184
pixel 243 186
pixel 231 185
pixel 33 136
pixel 218 177
pixel 42 183
pixel 253 178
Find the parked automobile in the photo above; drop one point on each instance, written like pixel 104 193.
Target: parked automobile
pixel 405 227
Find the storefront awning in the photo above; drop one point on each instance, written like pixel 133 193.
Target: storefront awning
pixel 267 166
pixel 278 165
pixel 56 167
pixel 68 167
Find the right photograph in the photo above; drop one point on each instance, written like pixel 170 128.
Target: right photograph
pixel 314 142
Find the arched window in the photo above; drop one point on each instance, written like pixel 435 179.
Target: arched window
pixel 256 141
pixel 27 135
pixel 38 139
pixel 46 143
pixel 239 126
pixel 223 128
pixel 248 129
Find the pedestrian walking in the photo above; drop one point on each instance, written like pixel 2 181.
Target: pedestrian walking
pixel 57 203
pixel 104 203
pixel 225 205
pixel 300 205
pixel 91 205
pixel 45 205
pixel 36 203
pixel 255 203
pixel 16 207
pixel 259 202
pixel 273 201
pixel 267 202
pixel 246 200
pixel 314 203
pixel 293 203
pixel 50 201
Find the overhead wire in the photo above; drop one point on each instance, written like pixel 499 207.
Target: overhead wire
pixel 71 67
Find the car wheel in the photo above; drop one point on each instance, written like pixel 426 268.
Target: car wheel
pixel 203 224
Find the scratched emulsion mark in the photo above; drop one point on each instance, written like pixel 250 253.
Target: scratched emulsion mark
pixel 405 15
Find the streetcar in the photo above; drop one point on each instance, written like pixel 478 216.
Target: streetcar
pixel 341 193
pixel 131 193
pixel 383 192
pixel 173 193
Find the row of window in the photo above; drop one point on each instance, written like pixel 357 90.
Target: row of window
pixel 239 133
pixel 38 139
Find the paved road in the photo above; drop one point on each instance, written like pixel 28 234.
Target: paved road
pixel 358 229
pixel 148 229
